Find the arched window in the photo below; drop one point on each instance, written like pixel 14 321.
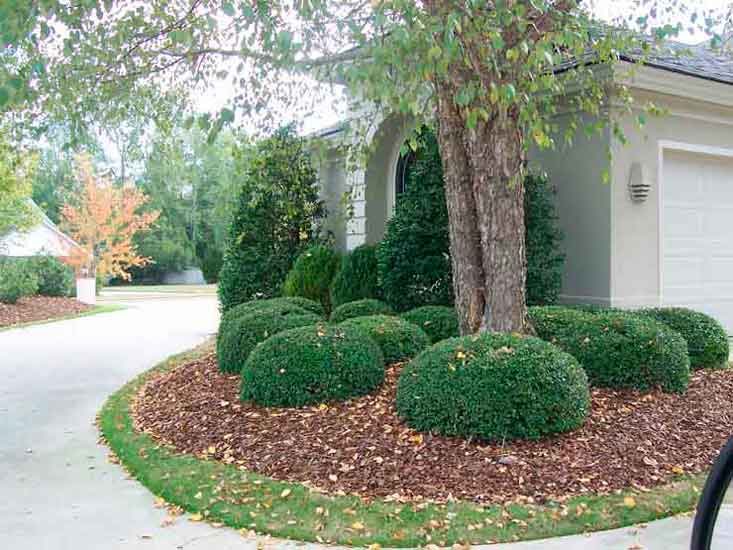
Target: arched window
pixel 402 175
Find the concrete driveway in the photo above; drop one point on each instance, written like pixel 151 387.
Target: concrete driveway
pixel 57 490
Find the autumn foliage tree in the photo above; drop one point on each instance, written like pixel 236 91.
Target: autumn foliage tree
pixel 104 221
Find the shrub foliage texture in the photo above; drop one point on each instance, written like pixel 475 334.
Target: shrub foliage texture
pixel 398 339
pixel 312 364
pixel 360 308
pixel 438 322
pixel 707 342
pixel 239 335
pixel 617 350
pixel 357 277
pixel 312 274
pixel 493 387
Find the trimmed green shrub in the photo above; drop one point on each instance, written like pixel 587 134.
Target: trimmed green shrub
pixel 493 387
pixel 17 279
pixel 542 239
pixel 438 322
pixel 273 306
pixel 279 215
pixel 55 278
pixel 293 303
pixel 312 365
pixel 312 274
pixel 617 350
pixel 707 342
pixel 414 257
pixel 238 336
pixel 357 278
pixel 398 339
pixel 360 308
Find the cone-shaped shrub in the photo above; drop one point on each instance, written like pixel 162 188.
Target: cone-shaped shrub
pixel 493 387
pixel 398 339
pixel 312 274
pixel 358 277
pixel 310 365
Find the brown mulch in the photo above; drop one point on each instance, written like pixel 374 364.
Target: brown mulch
pixel 360 446
pixel 39 308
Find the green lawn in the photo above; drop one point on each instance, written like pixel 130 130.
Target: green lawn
pixel 217 492
pixel 96 310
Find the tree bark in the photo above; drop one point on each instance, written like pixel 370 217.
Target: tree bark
pixel 485 197
pixel 465 237
pixel 483 170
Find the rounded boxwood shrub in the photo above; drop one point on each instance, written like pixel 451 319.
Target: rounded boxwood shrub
pixel 438 322
pixel 617 349
pixel 238 336
pixel 312 274
pixel 311 365
pixel 360 308
pixel 707 342
pixel 274 306
pixel 357 277
pixel 291 302
pixel 493 387
pixel 398 339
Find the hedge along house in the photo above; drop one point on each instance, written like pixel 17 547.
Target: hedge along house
pixel 658 233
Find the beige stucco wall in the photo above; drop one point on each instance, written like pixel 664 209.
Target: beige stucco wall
pixel 635 231
pixel 583 204
pixel 334 188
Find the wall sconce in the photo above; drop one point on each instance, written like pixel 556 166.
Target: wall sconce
pixel 639 187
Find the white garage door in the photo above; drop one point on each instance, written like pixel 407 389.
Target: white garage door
pixel 697 218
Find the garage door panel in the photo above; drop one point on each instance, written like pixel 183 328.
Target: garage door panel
pixel 719 223
pixel 697 234
pixel 721 272
pixel 683 221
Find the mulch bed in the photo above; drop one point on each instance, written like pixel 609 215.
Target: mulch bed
pixel 39 308
pixel 631 440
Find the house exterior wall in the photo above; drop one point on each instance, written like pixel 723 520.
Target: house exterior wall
pixel 583 205
pixel 334 190
pixel 636 230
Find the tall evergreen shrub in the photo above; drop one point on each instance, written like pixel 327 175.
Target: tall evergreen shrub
pixel 279 214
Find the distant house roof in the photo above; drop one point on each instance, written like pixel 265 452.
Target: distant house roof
pixel 44 238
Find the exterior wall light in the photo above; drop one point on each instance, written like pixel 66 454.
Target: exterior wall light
pixel 639 186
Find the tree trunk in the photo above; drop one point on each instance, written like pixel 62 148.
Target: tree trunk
pixel 485 197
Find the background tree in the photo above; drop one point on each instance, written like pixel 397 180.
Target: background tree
pixel 104 220
pixel 16 167
pixel 279 215
pixel 484 70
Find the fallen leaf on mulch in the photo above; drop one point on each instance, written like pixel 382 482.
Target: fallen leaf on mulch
pixel 39 308
pixel 631 440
